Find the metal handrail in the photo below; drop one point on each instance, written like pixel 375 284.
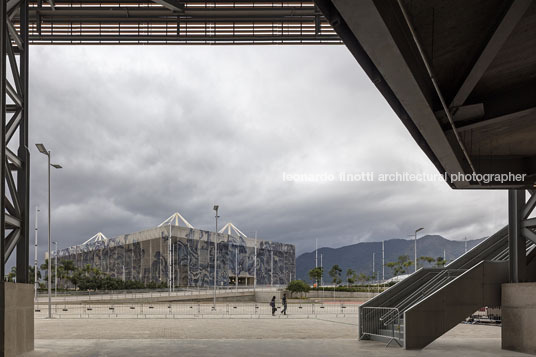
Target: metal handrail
pixel 371 323
pixel 439 280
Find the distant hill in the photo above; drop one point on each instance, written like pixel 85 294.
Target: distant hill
pixel 359 256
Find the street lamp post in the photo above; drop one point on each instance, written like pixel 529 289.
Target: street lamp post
pixel 236 268
pixel 255 264
pixel 322 270
pixel 416 231
pixel 56 270
pixel 36 283
pixel 44 151
pixel 215 208
pixel 170 282
pixel 316 257
pixel 272 268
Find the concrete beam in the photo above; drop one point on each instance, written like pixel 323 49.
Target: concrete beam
pixel 495 43
pixel 498 119
pixel 369 28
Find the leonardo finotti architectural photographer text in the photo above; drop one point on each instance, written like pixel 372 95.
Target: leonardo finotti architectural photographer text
pixel 369 176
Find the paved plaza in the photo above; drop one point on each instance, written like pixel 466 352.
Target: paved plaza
pixel 320 336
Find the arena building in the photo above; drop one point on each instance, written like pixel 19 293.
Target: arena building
pixel 187 259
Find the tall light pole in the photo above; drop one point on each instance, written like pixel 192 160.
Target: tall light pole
pixel 416 231
pixel 169 259
pixel 322 269
pixel 236 268
pixel 316 257
pixel 215 208
pixel 255 264
pixel 272 268
pixel 316 253
pixel 56 270
pixel 383 261
pixel 44 151
pixel 373 265
pixel 36 283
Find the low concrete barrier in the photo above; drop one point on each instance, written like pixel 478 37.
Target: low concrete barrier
pixel 519 317
pixel 17 313
pixel 341 294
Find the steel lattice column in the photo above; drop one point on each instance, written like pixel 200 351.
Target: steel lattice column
pixel 516 241
pixel 520 229
pixel 16 160
pixel 14 171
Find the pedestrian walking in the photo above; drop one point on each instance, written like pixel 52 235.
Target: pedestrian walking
pixel 272 304
pixel 284 301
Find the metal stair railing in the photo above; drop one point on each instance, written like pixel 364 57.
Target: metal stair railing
pixel 387 309
pixel 419 289
pixel 426 281
pixel 485 250
pixel 441 279
pixel 412 283
pixel 372 324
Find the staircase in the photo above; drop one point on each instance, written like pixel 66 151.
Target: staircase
pixel 431 301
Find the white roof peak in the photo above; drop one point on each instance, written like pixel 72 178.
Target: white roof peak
pixel 99 237
pixel 231 229
pixel 174 220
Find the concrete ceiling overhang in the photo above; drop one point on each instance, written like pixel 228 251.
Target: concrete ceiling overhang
pixel 480 116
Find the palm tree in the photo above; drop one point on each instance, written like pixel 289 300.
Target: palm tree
pixel 44 267
pixel 31 273
pixel 350 276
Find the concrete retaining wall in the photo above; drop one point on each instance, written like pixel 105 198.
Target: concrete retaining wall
pixel 17 312
pixel 519 317
pixel 340 294
pixel 266 296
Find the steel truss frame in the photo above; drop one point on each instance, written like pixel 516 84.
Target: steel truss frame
pixel 14 170
pixel 178 22
pixel 520 229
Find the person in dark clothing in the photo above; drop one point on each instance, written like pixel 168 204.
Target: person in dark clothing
pixel 272 304
pixel 284 301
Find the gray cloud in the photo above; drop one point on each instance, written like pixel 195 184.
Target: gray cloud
pixel 146 131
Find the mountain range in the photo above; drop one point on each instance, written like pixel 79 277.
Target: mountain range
pixel 359 256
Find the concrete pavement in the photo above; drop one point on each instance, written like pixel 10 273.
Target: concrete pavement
pixel 236 337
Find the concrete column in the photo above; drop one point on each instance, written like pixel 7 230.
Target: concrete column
pixel 17 318
pixel 519 317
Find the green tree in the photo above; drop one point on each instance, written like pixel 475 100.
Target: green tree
pixel 428 260
pixel 350 276
pixel 12 274
pixel 298 286
pixel 315 275
pixel 66 269
pixel 44 267
pixel 335 273
pixel 401 266
pixel 31 273
pixel 362 278
pixel 440 262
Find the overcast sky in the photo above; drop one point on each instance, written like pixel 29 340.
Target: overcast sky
pixel 145 131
